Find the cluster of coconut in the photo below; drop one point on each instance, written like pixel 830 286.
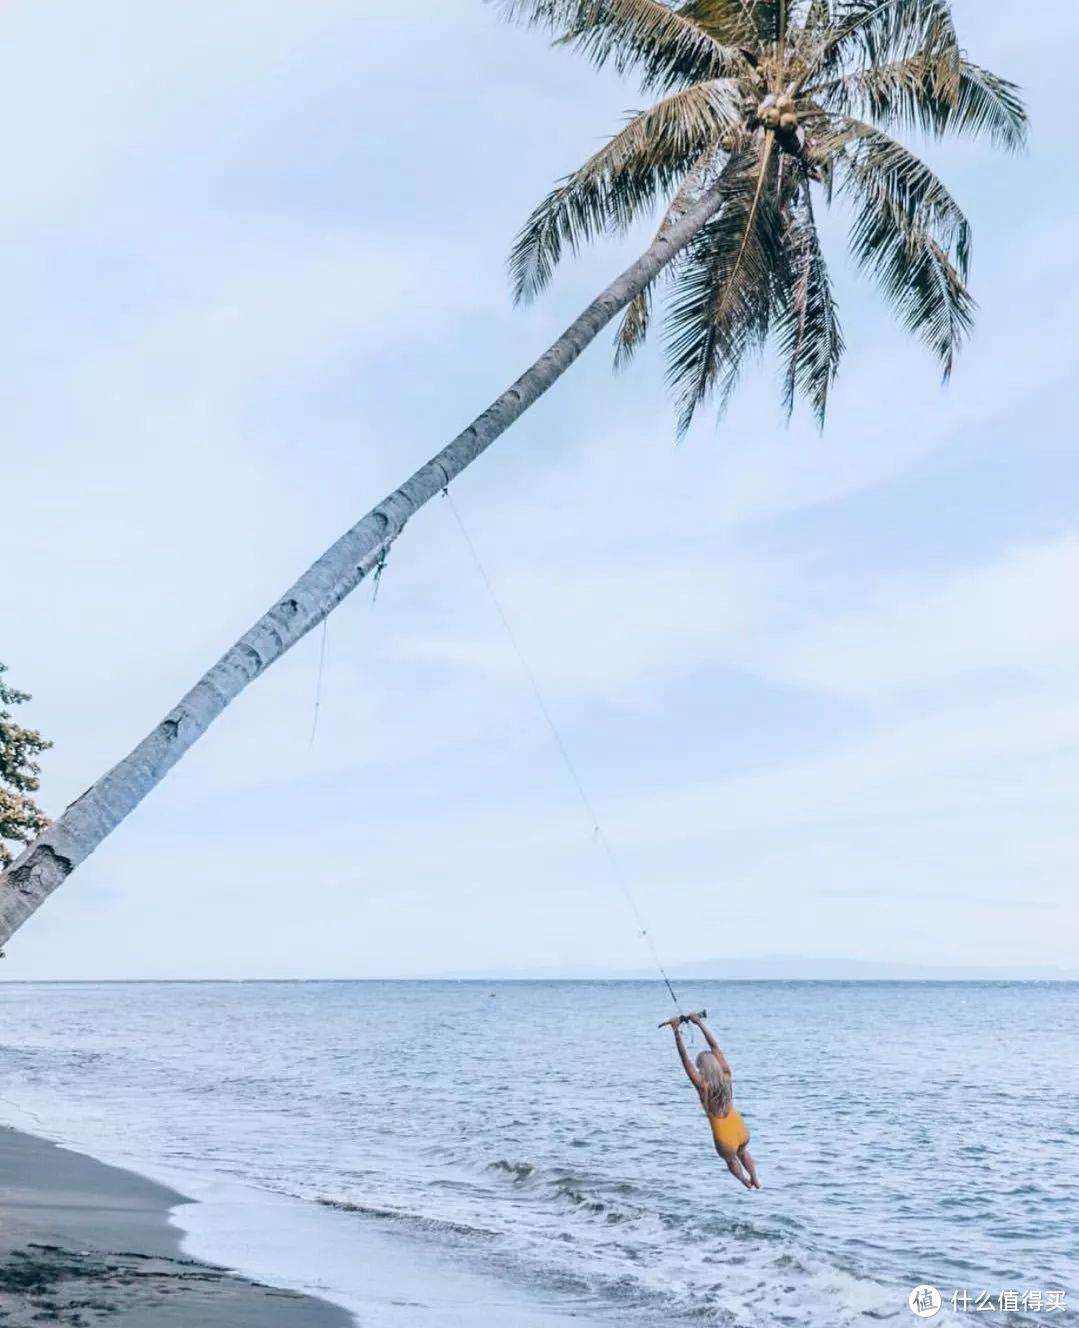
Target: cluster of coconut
pixel 778 112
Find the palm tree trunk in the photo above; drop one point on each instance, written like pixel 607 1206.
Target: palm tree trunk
pixel 52 857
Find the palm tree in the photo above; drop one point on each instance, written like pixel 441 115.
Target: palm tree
pixel 766 110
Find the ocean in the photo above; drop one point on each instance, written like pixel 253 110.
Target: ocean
pixel 535 1146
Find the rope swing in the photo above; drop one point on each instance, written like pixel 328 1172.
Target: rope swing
pixel 598 834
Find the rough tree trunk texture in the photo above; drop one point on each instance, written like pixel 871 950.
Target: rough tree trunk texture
pixel 55 854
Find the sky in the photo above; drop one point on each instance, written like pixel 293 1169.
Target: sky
pixel 822 690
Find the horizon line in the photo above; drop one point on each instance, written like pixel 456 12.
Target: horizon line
pixel 474 980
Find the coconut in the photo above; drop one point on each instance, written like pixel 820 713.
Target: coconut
pixel 788 120
pixel 785 104
pixel 771 118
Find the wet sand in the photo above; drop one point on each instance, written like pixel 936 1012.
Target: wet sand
pixel 83 1244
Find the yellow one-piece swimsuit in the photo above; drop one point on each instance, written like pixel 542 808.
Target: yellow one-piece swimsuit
pixel 729 1131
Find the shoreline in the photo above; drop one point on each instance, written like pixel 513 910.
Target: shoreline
pixel 84 1244
pixel 90 1243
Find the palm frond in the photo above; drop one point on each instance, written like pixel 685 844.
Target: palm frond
pixel 880 32
pixel 663 45
pixel 934 302
pixel 987 104
pixel 633 327
pixel 910 234
pixel 723 296
pixel 938 94
pixel 809 336
pixel 741 23
pixel 818 16
pixel 645 162
pixel 888 184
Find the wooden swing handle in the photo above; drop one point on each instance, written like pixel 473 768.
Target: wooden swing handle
pixel 684 1018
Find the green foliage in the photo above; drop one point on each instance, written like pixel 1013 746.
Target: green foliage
pixel 850 77
pixel 20 819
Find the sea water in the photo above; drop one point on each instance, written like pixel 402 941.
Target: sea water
pixel 541 1138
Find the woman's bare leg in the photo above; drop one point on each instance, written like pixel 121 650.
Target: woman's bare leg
pixel 746 1159
pixel 734 1166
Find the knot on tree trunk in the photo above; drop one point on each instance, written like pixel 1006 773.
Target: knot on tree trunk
pixel 42 871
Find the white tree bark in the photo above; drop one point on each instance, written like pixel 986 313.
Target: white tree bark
pixel 54 855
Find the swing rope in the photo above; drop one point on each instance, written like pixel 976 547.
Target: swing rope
pixel 318 684
pixel 380 568
pixel 598 834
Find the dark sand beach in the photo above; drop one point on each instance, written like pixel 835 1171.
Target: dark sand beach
pixel 83 1244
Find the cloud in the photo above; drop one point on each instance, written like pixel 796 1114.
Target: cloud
pixel 1007 622
pixel 604 628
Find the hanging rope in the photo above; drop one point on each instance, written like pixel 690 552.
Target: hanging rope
pixel 377 578
pixel 597 830
pixel 379 569
pixel 318 684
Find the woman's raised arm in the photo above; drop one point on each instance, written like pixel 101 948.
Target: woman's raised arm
pixel 690 1069
pixel 713 1045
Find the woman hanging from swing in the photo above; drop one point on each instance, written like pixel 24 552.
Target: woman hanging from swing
pixel 711 1077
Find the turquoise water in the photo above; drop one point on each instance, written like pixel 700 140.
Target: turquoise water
pixel 545 1133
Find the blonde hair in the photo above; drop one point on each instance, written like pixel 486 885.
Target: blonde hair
pixel 716 1091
